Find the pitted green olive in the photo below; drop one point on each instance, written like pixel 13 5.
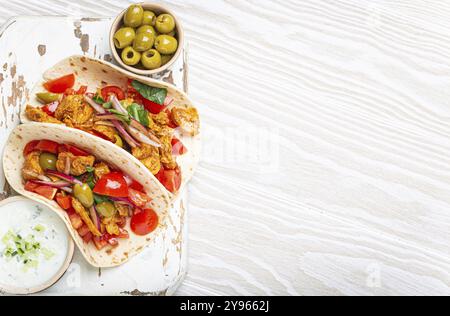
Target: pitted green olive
pixel 165 23
pixel 166 44
pixel 143 42
pixel 48 97
pixel 151 59
pixel 83 193
pixel 133 16
pixel 130 57
pixel 165 59
pixel 106 209
pixel 47 161
pixel 147 29
pixel 124 37
pixel 149 18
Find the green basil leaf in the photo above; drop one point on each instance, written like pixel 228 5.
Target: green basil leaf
pixel 121 116
pixel 98 99
pixel 156 95
pixel 139 113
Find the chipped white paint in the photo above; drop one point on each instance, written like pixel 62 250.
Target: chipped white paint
pixel 357 92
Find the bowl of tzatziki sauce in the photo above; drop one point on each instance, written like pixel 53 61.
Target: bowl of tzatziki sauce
pixel 35 247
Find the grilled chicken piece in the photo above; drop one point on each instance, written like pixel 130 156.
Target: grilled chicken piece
pixel 74 112
pixel 100 169
pixel 107 131
pixel 187 119
pixel 78 164
pixel 80 210
pixel 31 168
pixel 111 224
pixel 38 115
pixel 124 210
pixel 149 156
pixel 165 152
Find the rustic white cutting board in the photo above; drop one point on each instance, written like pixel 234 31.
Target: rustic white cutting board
pixel 29 46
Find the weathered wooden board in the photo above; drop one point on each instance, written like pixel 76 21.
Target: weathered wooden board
pixel 26 51
pixel 356 93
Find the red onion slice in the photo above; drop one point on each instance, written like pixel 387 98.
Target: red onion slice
pixel 56 184
pixel 94 216
pixel 127 137
pixel 96 106
pixel 63 176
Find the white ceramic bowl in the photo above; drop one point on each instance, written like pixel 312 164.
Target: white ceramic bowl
pixel 157 9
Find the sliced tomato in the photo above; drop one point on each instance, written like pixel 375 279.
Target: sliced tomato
pixel 133 184
pixel 72 149
pixel 152 107
pixel 171 123
pixel 109 90
pixel 69 91
pixel 30 186
pixel 47 146
pixel 88 237
pixel 82 90
pixel 112 184
pixel 46 191
pixel 123 233
pixel 50 108
pixel 30 147
pixel 144 222
pixel 75 220
pixel 61 84
pixel 170 179
pixel 99 243
pixel 83 230
pixel 177 147
pixel 138 198
pixel 64 201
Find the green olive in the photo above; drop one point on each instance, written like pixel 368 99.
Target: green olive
pixel 147 29
pixel 133 16
pixel 83 193
pixel 48 161
pixel 124 37
pixel 166 44
pixel 173 33
pixel 143 42
pixel 106 209
pixel 149 18
pixel 165 59
pixel 47 97
pixel 151 59
pixel 130 57
pixel 165 23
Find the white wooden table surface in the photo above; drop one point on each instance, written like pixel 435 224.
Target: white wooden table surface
pixel 326 163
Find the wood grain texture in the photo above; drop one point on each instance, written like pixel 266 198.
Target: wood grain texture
pixel 325 167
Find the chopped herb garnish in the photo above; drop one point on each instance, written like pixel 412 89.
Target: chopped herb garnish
pixel 39 228
pixel 156 95
pixel 28 250
pixel 90 169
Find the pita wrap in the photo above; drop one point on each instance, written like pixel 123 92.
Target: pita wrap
pixel 95 73
pixel 13 161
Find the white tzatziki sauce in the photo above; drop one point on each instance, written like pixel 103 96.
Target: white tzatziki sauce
pixel 26 225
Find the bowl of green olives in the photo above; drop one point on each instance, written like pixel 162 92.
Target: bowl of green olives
pixel 146 38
